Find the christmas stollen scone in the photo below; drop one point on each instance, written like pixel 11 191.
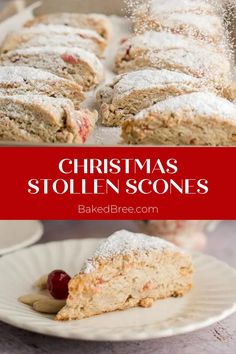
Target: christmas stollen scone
pixel 97 22
pixel 20 80
pixel 127 270
pixel 169 51
pixel 55 35
pixel 74 64
pixel 131 92
pixel 198 118
pixel 37 119
pixel 153 8
pixel 203 27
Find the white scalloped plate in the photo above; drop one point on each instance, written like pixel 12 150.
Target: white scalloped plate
pixel 16 234
pixel 212 298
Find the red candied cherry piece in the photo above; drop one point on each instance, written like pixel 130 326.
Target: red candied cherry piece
pixel 57 284
pixel 84 128
pixel 68 58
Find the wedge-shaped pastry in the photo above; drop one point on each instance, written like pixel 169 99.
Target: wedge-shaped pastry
pixel 74 64
pixel 42 119
pixel 20 80
pixel 54 36
pixel 204 27
pixel 129 93
pixel 97 22
pixel 164 50
pixel 127 270
pixel 198 118
pixel 157 7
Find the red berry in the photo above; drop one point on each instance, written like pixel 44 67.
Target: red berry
pixel 57 284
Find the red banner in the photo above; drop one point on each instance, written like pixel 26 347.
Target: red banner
pixel 117 183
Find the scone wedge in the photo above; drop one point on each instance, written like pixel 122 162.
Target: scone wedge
pixel 97 22
pixel 162 50
pixel 207 28
pixel 42 119
pixel 154 8
pixel 55 35
pixel 129 93
pixel 127 270
pixel 199 118
pixel 74 64
pixel 20 80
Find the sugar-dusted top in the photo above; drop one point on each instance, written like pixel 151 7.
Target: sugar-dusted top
pixel 193 6
pixel 207 24
pixel 65 40
pixel 160 41
pixel 122 243
pixel 78 53
pixel 148 79
pixel 59 111
pixel 183 52
pixel 59 29
pixel 197 61
pixel 54 106
pixel 203 104
pixel 68 16
pixel 10 74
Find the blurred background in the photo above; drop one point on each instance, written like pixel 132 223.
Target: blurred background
pixel 219 237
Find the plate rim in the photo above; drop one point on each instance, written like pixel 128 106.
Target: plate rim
pixel 35 237
pixel 160 334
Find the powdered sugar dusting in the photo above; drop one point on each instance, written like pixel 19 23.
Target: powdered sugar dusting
pixel 208 25
pixel 160 41
pixel 197 62
pixel 148 79
pixel 66 40
pixel 79 53
pixel 183 6
pixel 201 103
pixel 11 74
pixel 59 29
pixel 152 41
pixel 55 105
pixel 175 52
pixel 122 243
pixel 196 19
pixel 78 20
pixel 53 108
pixel 54 35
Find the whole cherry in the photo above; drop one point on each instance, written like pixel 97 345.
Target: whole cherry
pixel 57 284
